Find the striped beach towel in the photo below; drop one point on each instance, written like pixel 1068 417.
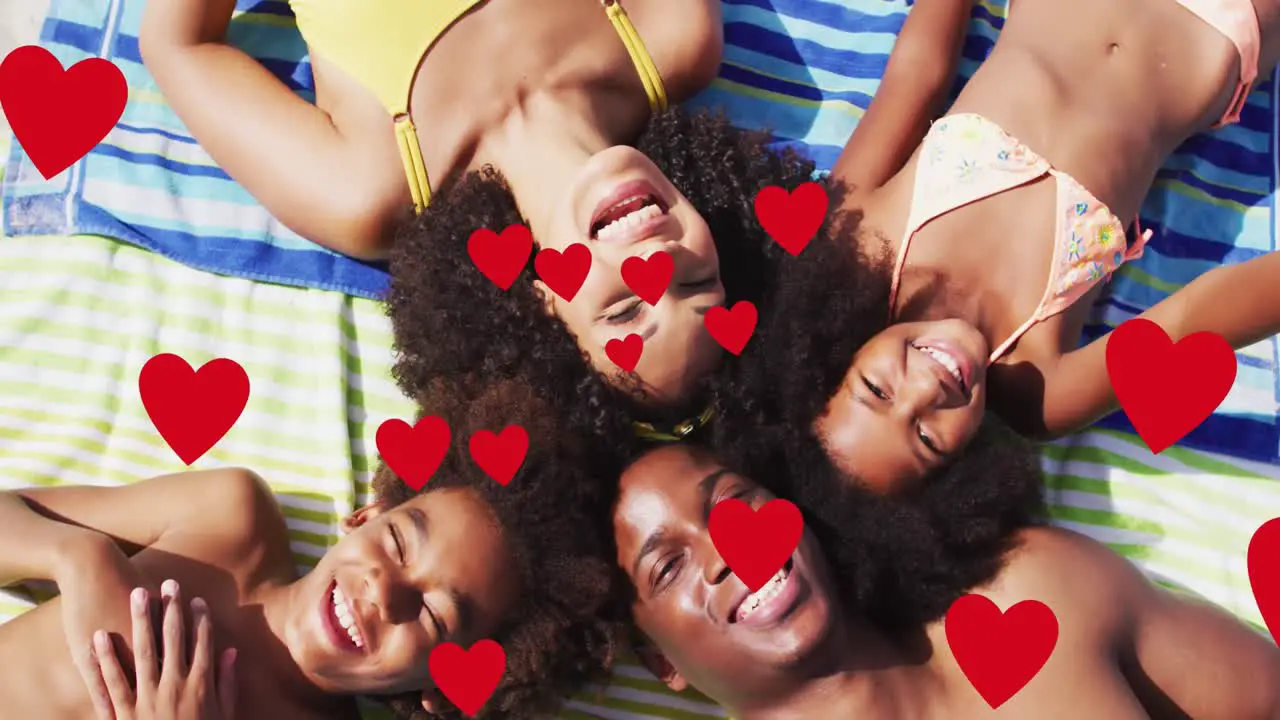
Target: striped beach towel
pixel 807 69
pixel 79 316
pixel 151 184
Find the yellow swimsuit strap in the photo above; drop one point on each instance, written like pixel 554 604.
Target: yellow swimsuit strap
pixel 648 72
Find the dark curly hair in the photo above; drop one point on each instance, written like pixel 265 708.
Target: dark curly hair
pixel 567 626
pixel 904 558
pixel 450 322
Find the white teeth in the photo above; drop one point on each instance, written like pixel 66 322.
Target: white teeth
pixel 342 611
pixel 946 360
pixel 628 221
pixel 759 597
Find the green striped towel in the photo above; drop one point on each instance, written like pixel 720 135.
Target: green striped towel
pixel 79 315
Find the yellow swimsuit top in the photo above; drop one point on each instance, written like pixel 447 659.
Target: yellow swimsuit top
pixel 381 43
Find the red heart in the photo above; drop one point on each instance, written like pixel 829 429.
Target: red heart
pixel 755 544
pixel 192 409
pixel 59 116
pixel 649 278
pixel 625 353
pixel 1000 652
pixel 501 455
pixel 732 328
pixel 467 677
pixel 792 219
pixel 413 453
pixel 1264 573
pixel 564 272
pixel 501 257
pixel 1167 389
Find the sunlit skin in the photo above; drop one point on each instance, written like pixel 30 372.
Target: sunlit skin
pixel 897 415
pixel 1104 92
pixel 686 595
pixel 677 348
pixel 435 568
pixel 1126 650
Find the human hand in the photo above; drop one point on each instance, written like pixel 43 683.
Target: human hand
pixel 93 577
pixel 178 692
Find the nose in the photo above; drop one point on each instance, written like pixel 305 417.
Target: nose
pixel 393 600
pixel 714 569
pixel 918 393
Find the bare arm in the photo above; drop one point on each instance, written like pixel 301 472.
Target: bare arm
pixel 285 151
pixel 1239 302
pixel 920 73
pixel 43 529
pixel 1180 657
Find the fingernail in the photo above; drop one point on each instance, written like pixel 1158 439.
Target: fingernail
pixel 101 640
pixel 231 656
pixel 197 605
pixel 168 588
pixel 138 601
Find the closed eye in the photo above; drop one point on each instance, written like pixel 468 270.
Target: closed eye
pixel 440 629
pixel 626 314
pixel 704 284
pixel 928 442
pixel 875 389
pixel 395 537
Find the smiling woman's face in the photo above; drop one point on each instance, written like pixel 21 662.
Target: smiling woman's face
pixel 718 635
pixel 622 206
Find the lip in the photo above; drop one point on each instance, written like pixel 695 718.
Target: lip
pixel 337 635
pixel 962 359
pixel 621 193
pixel 794 591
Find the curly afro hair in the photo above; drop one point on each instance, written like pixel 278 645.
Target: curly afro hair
pixel 902 560
pixel 450 322
pixel 567 626
pixel 905 558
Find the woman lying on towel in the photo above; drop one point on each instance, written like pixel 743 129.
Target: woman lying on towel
pixel 464 110
pixel 858 631
pixel 1016 206
pixel 463 560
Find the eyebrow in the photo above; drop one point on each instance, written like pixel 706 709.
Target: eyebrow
pixel 651 543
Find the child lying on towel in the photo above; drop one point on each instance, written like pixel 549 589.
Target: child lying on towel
pixel 463 560
pixel 977 244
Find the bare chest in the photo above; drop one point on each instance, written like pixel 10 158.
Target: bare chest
pixel 39 680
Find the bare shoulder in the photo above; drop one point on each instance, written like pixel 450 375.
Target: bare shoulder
pixel 237 506
pixel 686 38
pixel 1089 587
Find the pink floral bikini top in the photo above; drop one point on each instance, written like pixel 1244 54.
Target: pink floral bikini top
pixel 966 158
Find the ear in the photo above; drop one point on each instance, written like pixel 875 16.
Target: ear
pixel 548 297
pixel 360 517
pixel 658 664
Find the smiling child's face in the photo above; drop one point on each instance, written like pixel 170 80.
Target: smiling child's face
pixel 399 582
pixel 914 395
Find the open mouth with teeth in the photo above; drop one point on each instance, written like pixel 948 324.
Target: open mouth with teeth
pixel 949 362
pixel 341 622
pixel 777 598
pixel 614 221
